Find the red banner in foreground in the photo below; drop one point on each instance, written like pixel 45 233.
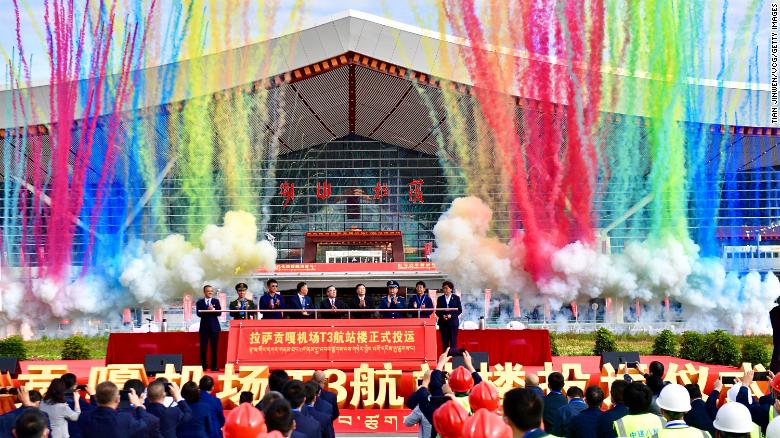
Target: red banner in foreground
pixel 372 421
pixel 332 343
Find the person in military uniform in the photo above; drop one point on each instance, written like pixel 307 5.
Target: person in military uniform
pixel 392 301
pixel 241 303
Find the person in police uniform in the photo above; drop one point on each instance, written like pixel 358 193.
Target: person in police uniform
pixel 420 300
pixel 241 303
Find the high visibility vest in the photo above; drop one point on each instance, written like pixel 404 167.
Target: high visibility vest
pixel 682 432
pixel 464 401
pixel 756 432
pixel 638 426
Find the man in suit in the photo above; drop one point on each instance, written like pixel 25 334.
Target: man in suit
pixel 29 400
pixel 420 300
pixel 272 300
pixel 32 423
pixel 362 302
pixel 553 401
pixel 311 389
pixel 209 326
pixel 604 425
pixel 241 303
pixel 584 424
pixel 301 301
pixel 523 413
pixel 279 417
pixel 702 414
pixel 217 419
pixel 106 421
pixel 567 412
pixel 392 301
pixel 171 417
pixel 448 319
pixel 294 393
pixel 326 395
pixel 332 303
pixel 774 318
pixel 152 422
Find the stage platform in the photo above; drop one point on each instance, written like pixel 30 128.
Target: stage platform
pixel 525 347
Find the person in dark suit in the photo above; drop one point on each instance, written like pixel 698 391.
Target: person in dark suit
pixel 279 417
pixel 420 300
pixel 448 319
pixel 106 421
pixel 361 301
pixel 32 423
pixel 69 379
pixel 241 303
pixel 567 412
pixel 170 417
pixel 326 395
pixel 584 424
pixel 774 318
pixel 332 303
pixel 702 414
pixel 523 413
pixel 553 401
pixel 217 419
pixel 294 393
pixel 198 425
pixel 392 301
pixel 30 400
pixel 301 301
pixel 311 389
pixel 604 425
pixel 152 422
pixel 272 301
pixel 209 326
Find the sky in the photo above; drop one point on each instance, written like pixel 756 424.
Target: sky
pixel 402 11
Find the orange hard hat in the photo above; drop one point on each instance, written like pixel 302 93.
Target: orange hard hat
pixel 485 424
pixel 484 395
pixel 245 421
pixel 461 380
pixel 448 419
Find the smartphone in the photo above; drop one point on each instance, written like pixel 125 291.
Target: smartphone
pixel 634 365
pixel 761 376
pixel 81 387
pixel 124 395
pixel 168 389
pixel 419 382
pixel 728 380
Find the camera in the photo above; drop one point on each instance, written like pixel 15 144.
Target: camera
pixel 81 387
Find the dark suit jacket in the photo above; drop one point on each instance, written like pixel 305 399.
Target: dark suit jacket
pixel 565 414
pixel 584 424
pixel 199 425
pixel 152 422
pixel 209 322
pixel 217 419
pixel 400 304
pixel 8 421
pixel 552 402
pixel 325 407
pixel 294 302
pixel 325 305
pixel 330 398
pixel 248 305
pixel 604 423
pixel 265 304
pixel 105 422
pixel 699 416
pixel 354 303
pixel 441 303
pixel 414 303
pixel 324 419
pixel 307 425
pixel 171 417
pixel 73 426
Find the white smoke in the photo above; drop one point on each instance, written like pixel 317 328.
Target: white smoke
pixel 155 273
pixel 170 267
pixel 647 271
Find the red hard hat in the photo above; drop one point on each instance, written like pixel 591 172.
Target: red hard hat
pixel 485 424
pixel 448 419
pixel 775 383
pixel 484 395
pixel 461 380
pixel 245 421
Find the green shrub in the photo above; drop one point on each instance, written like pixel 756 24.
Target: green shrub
pixel 605 341
pixel 755 352
pixel 720 348
pixel 13 346
pixel 75 348
pixel 664 344
pixel 692 346
pixel 553 345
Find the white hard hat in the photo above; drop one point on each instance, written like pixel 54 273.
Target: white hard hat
pixel 731 394
pixel 733 417
pixel 674 398
pixel 773 430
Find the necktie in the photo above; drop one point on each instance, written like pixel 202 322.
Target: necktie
pixel 208 302
pixel 331 301
pixel 303 302
pixel 362 302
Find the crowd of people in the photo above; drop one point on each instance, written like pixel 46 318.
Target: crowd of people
pixel 272 305
pixel 447 405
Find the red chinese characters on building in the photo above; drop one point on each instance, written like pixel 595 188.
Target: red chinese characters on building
pixel 415 191
pixel 287 191
pixel 323 190
pixel 381 191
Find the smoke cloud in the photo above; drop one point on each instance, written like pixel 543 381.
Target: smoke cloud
pixel 648 271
